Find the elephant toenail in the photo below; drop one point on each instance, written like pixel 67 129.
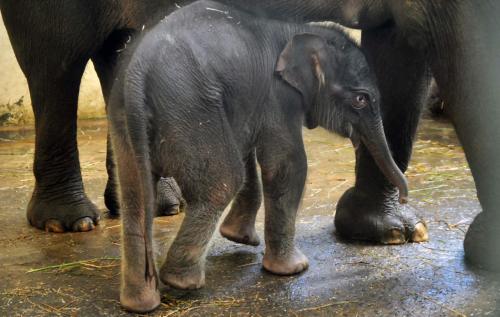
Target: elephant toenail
pixel 395 236
pixel 83 225
pixel 53 225
pixel 420 234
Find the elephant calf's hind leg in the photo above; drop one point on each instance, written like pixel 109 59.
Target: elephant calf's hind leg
pixel 185 267
pixel 239 224
pixel 139 286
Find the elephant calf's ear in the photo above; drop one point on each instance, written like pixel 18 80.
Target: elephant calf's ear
pixel 302 64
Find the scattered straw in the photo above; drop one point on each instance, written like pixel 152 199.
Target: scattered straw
pixel 112 227
pixel 248 264
pixel 81 263
pixel 325 306
pixel 454 311
pixel 30 295
pixel 182 307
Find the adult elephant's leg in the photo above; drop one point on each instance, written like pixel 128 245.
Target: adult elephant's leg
pixel 370 210
pixel 58 202
pixel 111 191
pixel 239 224
pixel 104 64
pixel 475 112
pixel 477 126
pixel 52 52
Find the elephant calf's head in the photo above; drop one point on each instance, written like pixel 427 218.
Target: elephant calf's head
pixel 340 94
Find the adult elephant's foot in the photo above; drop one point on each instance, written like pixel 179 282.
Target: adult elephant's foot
pixel 169 197
pixel 76 213
pixel 380 219
pixel 287 264
pixel 481 242
pixel 183 277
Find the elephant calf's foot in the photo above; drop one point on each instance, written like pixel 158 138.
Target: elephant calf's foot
pixel 63 215
pixel 140 299
pixel 383 220
pixel 239 232
pixel 289 264
pixel 481 242
pixel 191 277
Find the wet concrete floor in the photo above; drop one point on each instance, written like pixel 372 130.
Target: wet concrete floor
pixel 344 278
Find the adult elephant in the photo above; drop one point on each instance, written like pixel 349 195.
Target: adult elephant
pixel 403 39
pixel 53 41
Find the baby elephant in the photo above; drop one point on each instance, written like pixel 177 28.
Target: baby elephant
pixel 205 93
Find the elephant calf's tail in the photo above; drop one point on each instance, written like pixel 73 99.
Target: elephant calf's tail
pixel 136 118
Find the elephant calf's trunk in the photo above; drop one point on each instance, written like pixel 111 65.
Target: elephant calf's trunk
pixel 383 158
pixel 397 179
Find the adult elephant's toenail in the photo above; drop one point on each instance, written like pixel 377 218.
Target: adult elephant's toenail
pixel 420 234
pixel 83 225
pixel 395 236
pixel 53 225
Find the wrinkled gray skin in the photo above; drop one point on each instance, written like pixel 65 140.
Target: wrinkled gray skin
pixel 200 101
pixel 53 41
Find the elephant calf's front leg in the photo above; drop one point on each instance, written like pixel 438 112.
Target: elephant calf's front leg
pixel 283 186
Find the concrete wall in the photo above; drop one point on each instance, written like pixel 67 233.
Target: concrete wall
pixel 15 103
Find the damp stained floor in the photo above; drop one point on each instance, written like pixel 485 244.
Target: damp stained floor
pixel 344 278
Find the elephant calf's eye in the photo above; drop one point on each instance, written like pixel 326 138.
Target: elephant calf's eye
pixel 360 101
